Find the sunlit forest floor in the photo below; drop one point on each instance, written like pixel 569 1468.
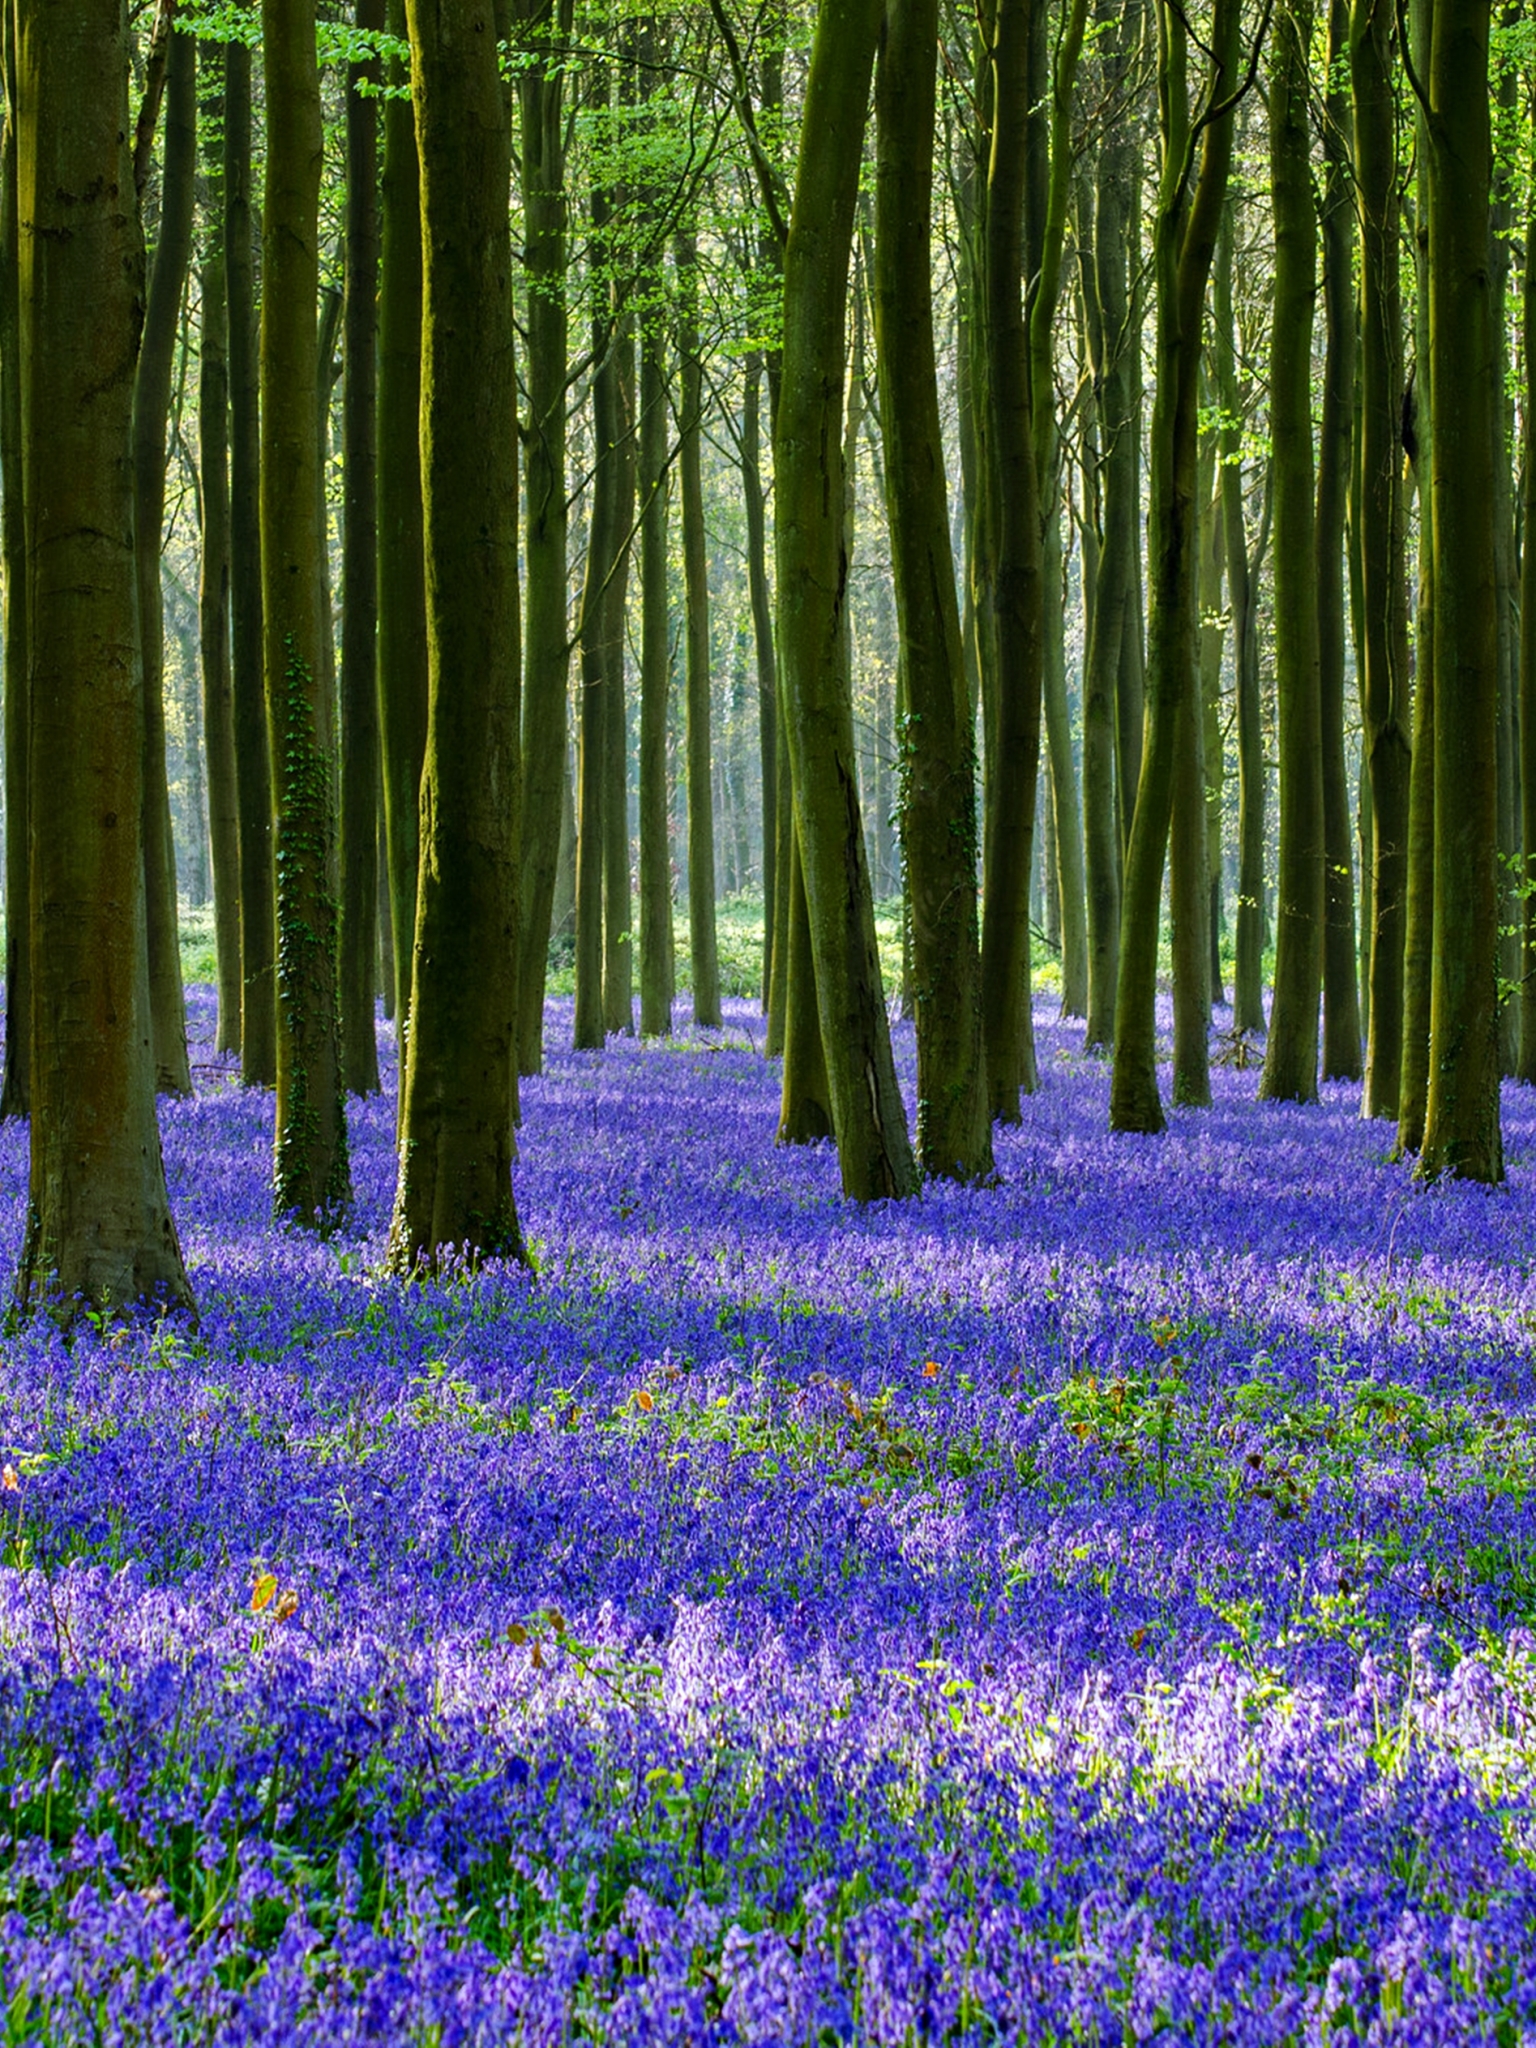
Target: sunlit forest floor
pixel 1098 1608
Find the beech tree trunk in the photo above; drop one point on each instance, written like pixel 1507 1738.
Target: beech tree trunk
pixel 454 1198
pixel 16 1093
pixel 311 1179
pixel 100 1235
pixel 655 690
pixel 702 944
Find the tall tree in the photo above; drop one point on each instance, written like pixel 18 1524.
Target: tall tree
pixel 938 802
pixel 1461 1126
pixel 696 641
pixel 655 679
pixel 311 1179
pixel 1380 523
pixel 874 1151
pixel 100 1233
pixel 359 924
pixel 151 412
pixel 1527 1064
pixel 1290 1059
pixel 16 1094
pixel 455 1190
pixel 253 769
pixel 1188 217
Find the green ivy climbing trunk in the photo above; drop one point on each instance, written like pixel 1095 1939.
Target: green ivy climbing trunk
pixel 99 1229
pixel 454 1197
pixel 311 1180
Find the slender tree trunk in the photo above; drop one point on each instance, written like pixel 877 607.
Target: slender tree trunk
pixel 253 769
pixel 696 640
pixel 402 589
pixel 873 1148
pixel 761 599
pixel 655 690
pixel 16 1094
pixel 805 1102
pixel 1527 1063
pixel 213 592
pixel 1341 995
pixel 546 637
pixel 1461 1124
pixel 1213 560
pixel 618 907
pixel 1188 218
pixel 454 1198
pixel 1384 671
pixel 151 412
pixel 1016 637
pixel 938 791
pixel 311 1179
pixel 359 619
pixel 99 1233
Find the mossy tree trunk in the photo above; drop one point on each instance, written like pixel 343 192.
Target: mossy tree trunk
pixel 402 586
pixel 359 930
pixel 1290 1058
pixel 213 585
pixel 454 1196
pixel 874 1151
pixel 546 631
pixel 16 1093
pixel 1380 522
pixel 99 1230
pixel 253 760
pixel 1188 217
pixel 311 1179
pixel 1461 1123
pixel 938 792
pixel 151 414
pixel 1341 989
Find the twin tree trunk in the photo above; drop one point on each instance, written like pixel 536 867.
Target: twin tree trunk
pixel 874 1152
pixel 455 1189
pixel 311 1179
pixel 99 1229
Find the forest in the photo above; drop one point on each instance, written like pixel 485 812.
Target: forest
pixel 769 876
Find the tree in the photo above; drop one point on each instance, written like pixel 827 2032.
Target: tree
pixel 455 1189
pixel 1461 1126
pixel 311 1178
pixel 701 813
pixel 16 1095
pixel 359 916
pixel 99 1231
pixel 1290 1059
pixel 874 1152
pixel 938 802
pixel 1188 217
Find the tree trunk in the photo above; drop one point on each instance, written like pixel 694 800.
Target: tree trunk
pixel 151 412
pixel 99 1233
pixel 1213 636
pixel 402 588
pixel 805 1100
pixel 454 1199
pixel 1188 218
pixel 1461 1124
pixel 253 767
pixel 938 791
pixel 1341 994
pixel 701 819
pixel 873 1148
pixel 16 1094
pixel 311 1180
pixel 546 635
pixel 1527 1062
pixel 761 600
pixel 213 591
pixel 1383 622
pixel 359 619
pixel 655 690
pixel 618 908
pixel 1290 1059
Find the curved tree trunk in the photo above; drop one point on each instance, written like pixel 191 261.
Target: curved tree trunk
pixel 151 414
pixel 873 1147
pixel 99 1233
pixel 311 1179
pixel 454 1197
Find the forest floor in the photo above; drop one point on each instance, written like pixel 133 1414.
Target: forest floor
pixel 1097 1608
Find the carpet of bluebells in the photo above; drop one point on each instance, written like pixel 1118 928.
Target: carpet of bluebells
pixel 1099 1608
